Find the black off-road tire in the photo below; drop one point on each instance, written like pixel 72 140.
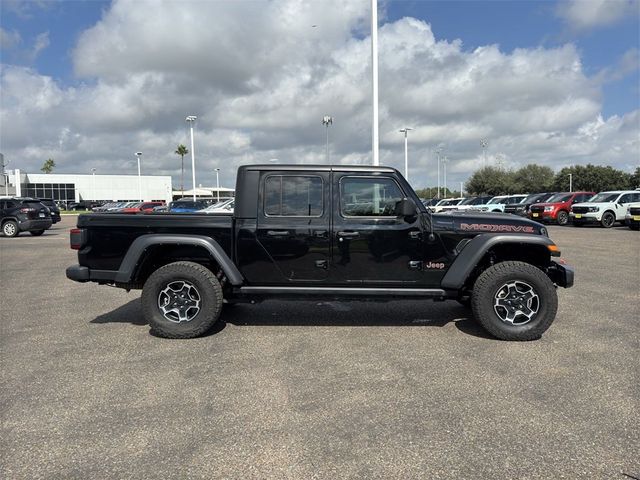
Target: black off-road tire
pixel 36 233
pixel 196 277
pixel 490 282
pixel 562 218
pixel 608 219
pixel 10 229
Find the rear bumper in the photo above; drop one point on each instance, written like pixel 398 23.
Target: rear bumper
pixel 561 275
pixel 78 273
pixel 33 225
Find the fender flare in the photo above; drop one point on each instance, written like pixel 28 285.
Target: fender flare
pixel 473 252
pixel 142 243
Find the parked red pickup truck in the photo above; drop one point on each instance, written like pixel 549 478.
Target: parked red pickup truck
pixel 557 208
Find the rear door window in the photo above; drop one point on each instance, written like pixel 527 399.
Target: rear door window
pixel 293 196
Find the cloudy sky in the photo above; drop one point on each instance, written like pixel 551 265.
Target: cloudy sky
pixel 89 83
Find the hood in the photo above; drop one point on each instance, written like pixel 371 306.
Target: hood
pixel 470 222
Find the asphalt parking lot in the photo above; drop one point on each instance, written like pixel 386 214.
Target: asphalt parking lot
pixel 318 390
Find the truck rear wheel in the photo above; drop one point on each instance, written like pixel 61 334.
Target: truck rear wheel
pixel 514 301
pixel 181 300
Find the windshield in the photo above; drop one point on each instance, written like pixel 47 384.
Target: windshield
pixel 605 197
pixel 560 197
pixel 532 198
pixel 496 200
pixel 514 199
pixel 190 205
pixel 468 201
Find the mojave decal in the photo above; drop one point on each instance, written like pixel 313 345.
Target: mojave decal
pixel 489 227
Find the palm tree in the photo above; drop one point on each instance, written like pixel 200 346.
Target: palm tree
pixel 182 151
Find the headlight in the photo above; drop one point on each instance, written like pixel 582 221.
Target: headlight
pixel 629 210
pixel 594 209
pixel 548 209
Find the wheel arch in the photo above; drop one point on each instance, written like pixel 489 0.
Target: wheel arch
pixel 149 252
pixel 486 250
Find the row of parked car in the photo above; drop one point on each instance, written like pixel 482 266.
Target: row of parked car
pixel 183 205
pixel 562 208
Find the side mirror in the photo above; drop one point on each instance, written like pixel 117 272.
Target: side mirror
pixel 406 208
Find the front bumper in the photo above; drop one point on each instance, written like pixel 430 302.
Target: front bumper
pixel 561 275
pixel 543 216
pixel 34 225
pixel 632 220
pixel 584 218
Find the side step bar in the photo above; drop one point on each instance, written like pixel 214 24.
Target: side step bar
pixel 326 291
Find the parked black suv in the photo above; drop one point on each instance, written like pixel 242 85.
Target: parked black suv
pixel 23 215
pixel 53 208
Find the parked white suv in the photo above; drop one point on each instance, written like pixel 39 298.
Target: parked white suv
pixel 606 208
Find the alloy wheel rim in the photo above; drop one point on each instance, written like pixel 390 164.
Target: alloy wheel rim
pixel 516 303
pixel 179 301
pixel 608 220
pixel 9 229
pixel 562 218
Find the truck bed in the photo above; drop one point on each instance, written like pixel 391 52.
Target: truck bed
pixel 109 235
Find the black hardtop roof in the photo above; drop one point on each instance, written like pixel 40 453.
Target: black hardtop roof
pixel 318 168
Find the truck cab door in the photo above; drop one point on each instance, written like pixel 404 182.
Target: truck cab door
pixel 293 227
pixel 371 245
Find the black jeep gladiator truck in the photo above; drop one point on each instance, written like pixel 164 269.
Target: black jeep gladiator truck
pixel 324 232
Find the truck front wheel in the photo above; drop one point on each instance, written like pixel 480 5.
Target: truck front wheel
pixel 181 300
pixel 514 301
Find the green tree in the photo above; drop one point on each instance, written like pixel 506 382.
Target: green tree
pixel 182 151
pixel 595 178
pixel 48 166
pixel 635 179
pixel 533 179
pixel 491 181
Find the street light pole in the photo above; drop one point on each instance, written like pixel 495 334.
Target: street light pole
pixel 138 155
pixel 444 165
pixel 438 151
pixel 191 119
pixel 405 130
pixel 374 80
pixel 218 183
pixel 570 182
pixel 326 121
pixel 484 143
pixel 93 181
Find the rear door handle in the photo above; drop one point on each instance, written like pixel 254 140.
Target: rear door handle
pixel 277 233
pixel 348 234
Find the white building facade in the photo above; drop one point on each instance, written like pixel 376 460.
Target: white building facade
pixel 100 188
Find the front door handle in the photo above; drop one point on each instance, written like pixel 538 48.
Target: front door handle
pixel 348 234
pixel 277 233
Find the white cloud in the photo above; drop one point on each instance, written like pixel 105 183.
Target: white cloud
pixel 589 14
pixel 9 40
pixel 260 78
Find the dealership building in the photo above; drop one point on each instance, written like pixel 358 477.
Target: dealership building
pixel 75 188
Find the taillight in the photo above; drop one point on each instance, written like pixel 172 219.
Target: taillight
pixel 76 238
pixel 27 210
